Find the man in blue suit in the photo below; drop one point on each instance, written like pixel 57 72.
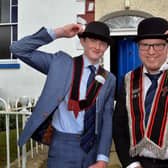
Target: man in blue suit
pixel 72 116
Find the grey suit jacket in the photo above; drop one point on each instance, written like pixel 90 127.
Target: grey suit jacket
pixel 58 68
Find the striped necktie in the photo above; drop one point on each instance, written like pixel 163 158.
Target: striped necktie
pixel 88 135
pixel 150 94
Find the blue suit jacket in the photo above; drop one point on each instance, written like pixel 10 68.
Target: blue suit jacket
pixel 58 68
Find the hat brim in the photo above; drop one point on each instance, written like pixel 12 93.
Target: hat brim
pixel 108 40
pixel 151 36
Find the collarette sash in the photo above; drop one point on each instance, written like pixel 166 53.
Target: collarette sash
pixel 156 128
pixel 74 104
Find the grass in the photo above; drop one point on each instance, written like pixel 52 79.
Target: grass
pixel 13 147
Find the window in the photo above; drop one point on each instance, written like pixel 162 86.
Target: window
pixel 123 25
pixel 8 27
pixel 90 7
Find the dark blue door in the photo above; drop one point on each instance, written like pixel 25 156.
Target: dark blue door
pixel 128 58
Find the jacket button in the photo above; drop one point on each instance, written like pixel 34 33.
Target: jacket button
pixel 45 115
pixel 59 99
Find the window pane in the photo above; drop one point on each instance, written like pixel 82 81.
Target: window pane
pixel 14 14
pixel 14 2
pixel 123 22
pixel 5 42
pixel 14 33
pixel 4 11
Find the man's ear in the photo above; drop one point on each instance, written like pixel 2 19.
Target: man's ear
pixel 107 46
pixel 167 34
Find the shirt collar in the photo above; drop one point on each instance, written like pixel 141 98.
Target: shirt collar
pixel 87 63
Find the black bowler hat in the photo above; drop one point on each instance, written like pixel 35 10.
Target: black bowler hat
pixel 97 30
pixel 152 28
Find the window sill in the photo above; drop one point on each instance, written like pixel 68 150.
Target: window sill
pixel 9 64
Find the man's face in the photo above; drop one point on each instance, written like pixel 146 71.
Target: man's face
pixel 153 53
pixel 93 48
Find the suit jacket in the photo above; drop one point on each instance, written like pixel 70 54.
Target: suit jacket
pixel 121 134
pixel 59 68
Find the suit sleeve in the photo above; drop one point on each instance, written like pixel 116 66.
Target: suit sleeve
pixel 106 130
pixel 26 50
pixel 120 128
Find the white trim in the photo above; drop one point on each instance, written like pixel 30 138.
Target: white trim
pixel 10 10
pixel 106 59
pixel 8 24
pixel 9 61
pixel 11 28
pixel 123 32
pixel 14 5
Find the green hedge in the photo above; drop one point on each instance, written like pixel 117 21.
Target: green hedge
pixel 12 122
pixel 13 147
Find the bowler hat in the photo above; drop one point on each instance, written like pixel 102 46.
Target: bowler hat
pixel 97 30
pixel 152 28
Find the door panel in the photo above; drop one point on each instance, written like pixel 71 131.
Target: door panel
pixel 128 57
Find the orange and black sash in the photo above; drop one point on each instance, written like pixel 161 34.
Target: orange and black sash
pixel 157 123
pixel 74 104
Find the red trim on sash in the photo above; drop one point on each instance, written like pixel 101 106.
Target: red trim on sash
pixel 140 100
pixel 155 105
pixel 80 80
pixel 72 78
pixel 71 101
pixel 163 129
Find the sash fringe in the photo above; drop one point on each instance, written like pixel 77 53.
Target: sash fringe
pixel 145 143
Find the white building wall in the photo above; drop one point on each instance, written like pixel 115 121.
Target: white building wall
pixel 32 15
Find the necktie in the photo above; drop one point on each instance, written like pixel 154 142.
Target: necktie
pixel 88 135
pixel 150 94
pixel 92 75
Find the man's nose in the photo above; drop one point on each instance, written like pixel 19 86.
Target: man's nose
pixel 97 45
pixel 151 49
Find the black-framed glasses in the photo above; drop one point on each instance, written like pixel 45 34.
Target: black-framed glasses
pixel 156 46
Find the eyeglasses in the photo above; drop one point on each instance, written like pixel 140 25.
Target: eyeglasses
pixel 156 47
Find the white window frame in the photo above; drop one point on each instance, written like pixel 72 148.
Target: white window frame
pixel 6 63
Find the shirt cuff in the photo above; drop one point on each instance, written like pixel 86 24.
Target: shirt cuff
pixel 51 33
pixel 133 165
pixel 103 158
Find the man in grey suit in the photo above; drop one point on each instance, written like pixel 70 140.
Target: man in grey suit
pixel 74 112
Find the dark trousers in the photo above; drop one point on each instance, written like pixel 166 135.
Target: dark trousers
pixel 65 152
pixel 152 163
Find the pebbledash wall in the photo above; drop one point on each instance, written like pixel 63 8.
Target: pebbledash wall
pixel 32 15
pixel 154 7
pixel 108 11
